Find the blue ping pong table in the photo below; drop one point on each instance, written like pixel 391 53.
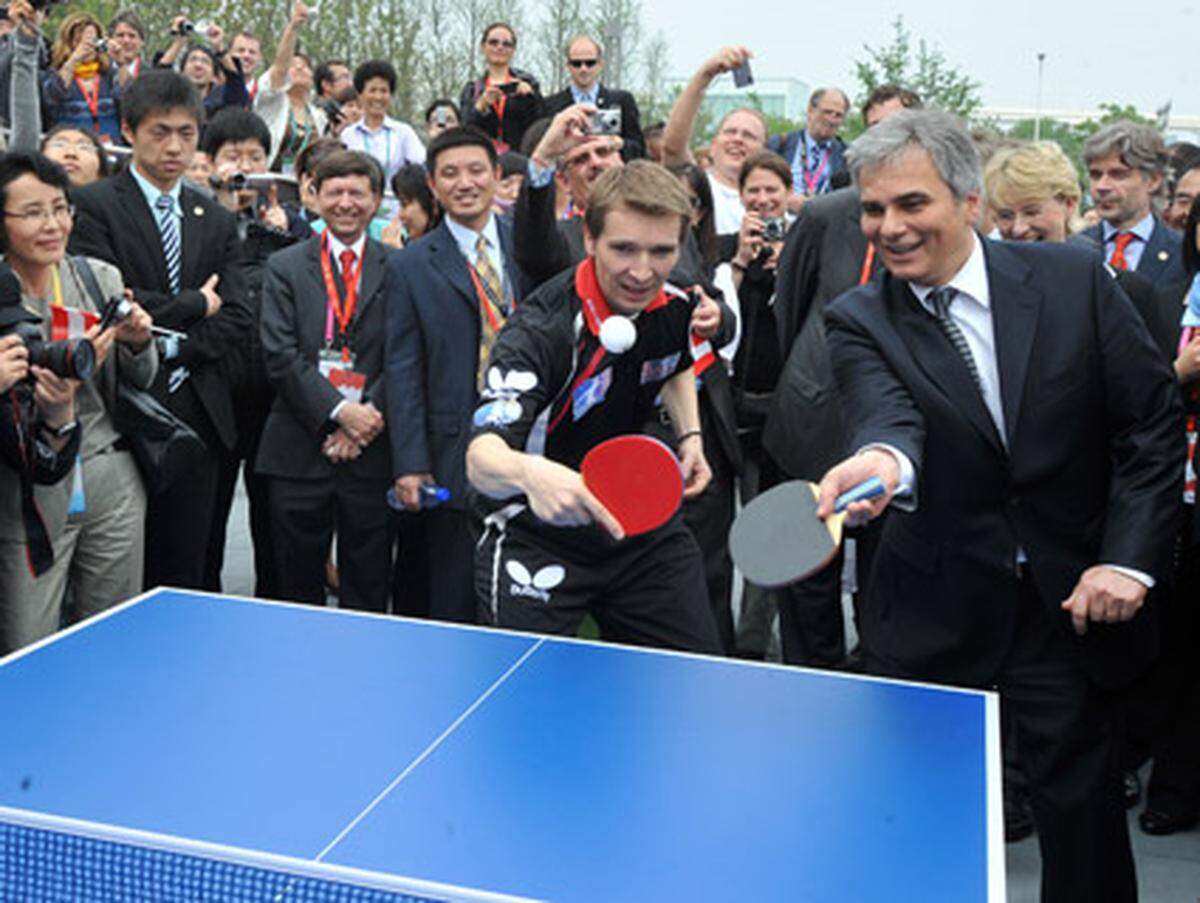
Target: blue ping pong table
pixel 184 746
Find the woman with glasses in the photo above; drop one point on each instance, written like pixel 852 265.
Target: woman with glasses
pixel 81 87
pixel 77 151
pixel 504 101
pixel 95 517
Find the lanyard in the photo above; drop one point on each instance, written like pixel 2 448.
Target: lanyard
pixel 343 313
pixel 56 286
pixel 92 99
pixel 868 261
pixel 487 304
pixel 387 146
pixel 811 183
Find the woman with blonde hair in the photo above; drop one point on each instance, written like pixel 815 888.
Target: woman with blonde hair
pixel 1033 192
pixel 81 89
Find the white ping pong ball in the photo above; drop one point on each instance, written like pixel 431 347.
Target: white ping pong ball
pixel 617 334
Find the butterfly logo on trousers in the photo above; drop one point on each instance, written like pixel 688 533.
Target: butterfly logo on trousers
pixel 536 586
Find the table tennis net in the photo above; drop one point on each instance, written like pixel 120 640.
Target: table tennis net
pixel 41 864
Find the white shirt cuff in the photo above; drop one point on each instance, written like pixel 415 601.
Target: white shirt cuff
pixel 1144 579
pixel 337 409
pixel 540 176
pixel 905 496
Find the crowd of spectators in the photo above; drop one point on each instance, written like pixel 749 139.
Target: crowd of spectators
pixel 370 322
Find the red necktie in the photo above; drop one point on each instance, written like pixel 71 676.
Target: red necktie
pixel 347 258
pixel 1120 243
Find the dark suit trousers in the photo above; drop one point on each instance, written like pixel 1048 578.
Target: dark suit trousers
pixel 1066 737
pixel 436 571
pixel 709 517
pixel 179 520
pixel 249 434
pixel 304 516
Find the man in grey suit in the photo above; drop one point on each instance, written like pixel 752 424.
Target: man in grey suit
pixel 1126 162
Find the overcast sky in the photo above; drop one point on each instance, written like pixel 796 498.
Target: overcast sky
pixel 997 44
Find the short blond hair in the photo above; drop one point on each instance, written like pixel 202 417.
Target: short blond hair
pixel 1037 169
pixel 641 186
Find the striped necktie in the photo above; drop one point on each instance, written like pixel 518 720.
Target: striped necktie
pixel 168 228
pixel 494 290
pixel 942 298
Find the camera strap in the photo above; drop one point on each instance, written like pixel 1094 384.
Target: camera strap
pixel 91 96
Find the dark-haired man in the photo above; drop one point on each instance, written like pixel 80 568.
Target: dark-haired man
pixel 330 78
pixel 324 448
pixel 178 251
pixel 551 552
pixel 237 142
pixel 449 295
pixel 126 38
pixel 585 62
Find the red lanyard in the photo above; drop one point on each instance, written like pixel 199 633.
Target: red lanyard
pixel 868 261
pixel 92 99
pixel 343 313
pixel 811 183
pixel 486 305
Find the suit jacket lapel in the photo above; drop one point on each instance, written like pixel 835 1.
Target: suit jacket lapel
pixel 1151 265
pixel 371 278
pixel 1015 308
pixel 448 260
pixel 934 355
pixel 515 278
pixel 193 225
pixel 133 202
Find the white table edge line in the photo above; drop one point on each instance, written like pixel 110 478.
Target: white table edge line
pixel 428 751
pixel 597 644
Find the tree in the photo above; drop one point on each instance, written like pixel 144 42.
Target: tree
pixel 940 83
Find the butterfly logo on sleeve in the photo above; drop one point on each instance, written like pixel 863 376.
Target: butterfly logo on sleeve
pixel 502 391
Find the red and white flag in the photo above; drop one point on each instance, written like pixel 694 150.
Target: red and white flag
pixel 70 323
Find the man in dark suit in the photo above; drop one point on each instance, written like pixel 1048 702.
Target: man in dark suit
pixel 815 152
pixel 324 448
pixel 1126 163
pixel 449 295
pixel 1028 429
pixel 179 253
pixel 585 62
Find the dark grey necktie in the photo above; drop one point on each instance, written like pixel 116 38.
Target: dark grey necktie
pixel 941 299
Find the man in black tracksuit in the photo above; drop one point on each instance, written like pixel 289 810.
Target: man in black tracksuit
pixel 550 551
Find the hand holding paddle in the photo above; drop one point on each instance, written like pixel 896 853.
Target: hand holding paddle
pixel 851 473
pixel 638 479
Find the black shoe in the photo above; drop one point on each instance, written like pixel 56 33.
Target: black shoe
pixel 1133 788
pixel 1160 822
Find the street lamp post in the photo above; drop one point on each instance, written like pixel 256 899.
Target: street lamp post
pixel 1037 110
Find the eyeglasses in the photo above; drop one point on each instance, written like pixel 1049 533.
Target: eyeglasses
pixel 499 42
pixel 582 64
pixel 62 144
pixel 59 212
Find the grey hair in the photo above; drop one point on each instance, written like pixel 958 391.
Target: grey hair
pixel 941 135
pixel 1140 147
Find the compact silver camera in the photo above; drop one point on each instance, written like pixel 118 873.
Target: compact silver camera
pixel 605 122
pixel 774 228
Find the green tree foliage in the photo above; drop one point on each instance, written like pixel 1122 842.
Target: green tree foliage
pixel 925 70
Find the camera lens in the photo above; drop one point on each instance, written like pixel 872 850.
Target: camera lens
pixel 69 358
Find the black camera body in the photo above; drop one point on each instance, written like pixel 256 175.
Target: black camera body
pixel 68 358
pixel 774 228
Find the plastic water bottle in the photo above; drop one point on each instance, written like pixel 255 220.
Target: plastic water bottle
pixel 431 497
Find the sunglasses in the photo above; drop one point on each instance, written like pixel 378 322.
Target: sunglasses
pixel 581 64
pixel 500 42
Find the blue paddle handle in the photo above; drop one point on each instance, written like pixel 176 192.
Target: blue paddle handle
pixel 867 489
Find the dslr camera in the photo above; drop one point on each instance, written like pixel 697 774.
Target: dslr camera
pixel 68 358
pixel 774 228
pixel 605 122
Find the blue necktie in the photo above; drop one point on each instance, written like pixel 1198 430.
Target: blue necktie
pixel 168 228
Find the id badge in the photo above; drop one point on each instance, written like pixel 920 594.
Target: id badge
pixel 339 370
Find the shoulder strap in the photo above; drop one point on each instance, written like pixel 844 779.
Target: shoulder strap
pixel 88 277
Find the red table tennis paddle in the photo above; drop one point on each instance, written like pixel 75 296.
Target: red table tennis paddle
pixel 637 478
pixel 778 538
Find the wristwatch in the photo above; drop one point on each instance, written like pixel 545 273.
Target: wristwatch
pixel 60 432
